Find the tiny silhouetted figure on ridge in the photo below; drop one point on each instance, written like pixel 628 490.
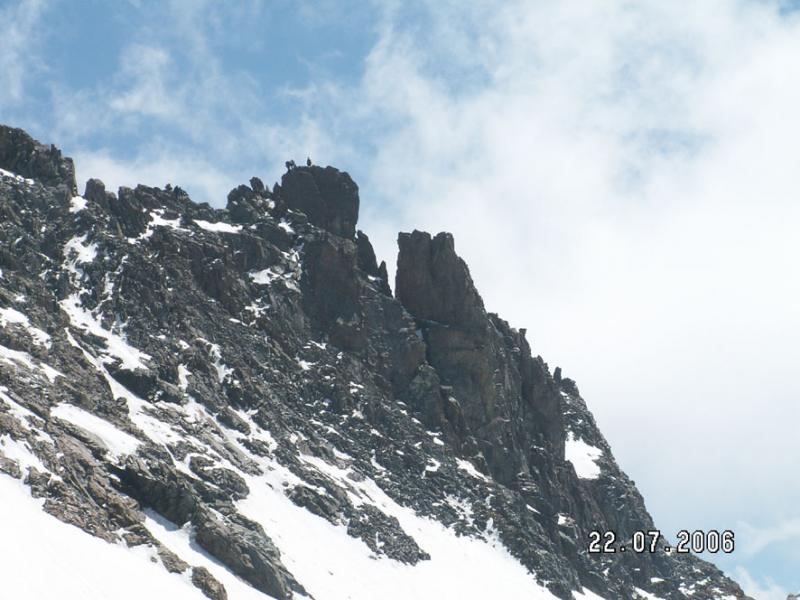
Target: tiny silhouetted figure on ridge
pixel 308 161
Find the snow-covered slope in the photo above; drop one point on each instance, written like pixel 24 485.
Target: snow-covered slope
pixel 234 404
pixel 42 557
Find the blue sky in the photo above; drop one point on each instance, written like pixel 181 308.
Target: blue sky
pixel 621 178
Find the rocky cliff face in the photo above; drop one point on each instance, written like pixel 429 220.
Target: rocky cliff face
pixel 246 376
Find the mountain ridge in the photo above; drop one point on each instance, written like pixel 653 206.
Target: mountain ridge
pixel 164 362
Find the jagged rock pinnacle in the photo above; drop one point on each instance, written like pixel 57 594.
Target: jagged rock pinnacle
pixel 434 284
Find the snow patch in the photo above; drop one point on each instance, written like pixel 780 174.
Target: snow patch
pixel 116 345
pixel 432 466
pixel 583 457
pixel 18 178
pixel 223 371
pixel 263 277
pixel 156 430
pixel 78 252
pixel 21 452
pixel 183 377
pixel 157 220
pixel 470 469
pixel 218 227
pixel 304 364
pixel 15 358
pixel 462 507
pixel 9 316
pixel 118 442
pixel 77 204
pixel 256 309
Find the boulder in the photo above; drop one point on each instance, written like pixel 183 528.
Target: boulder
pixel 244 548
pixel 203 580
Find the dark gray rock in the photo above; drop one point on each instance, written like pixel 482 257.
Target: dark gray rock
pixel 258 186
pixel 10 467
pixel 171 561
pixel 156 484
pixel 434 284
pixel 205 582
pixel 249 204
pixel 244 547
pixel 95 192
pixel 332 289
pixel 232 485
pixel 141 382
pixel 322 505
pixel 366 255
pixel 497 394
pixel 369 264
pixel 384 535
pixel 328 197
pixel 23 155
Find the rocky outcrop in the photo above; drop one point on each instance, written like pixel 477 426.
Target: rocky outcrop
pixel 242 545
pixel 212 588
pixel 24 156
pixel 369 264
pixel 248 204
pixel 328 197
pixel 499 399
pixel 332 288
pixel 222 371
pixel 434 284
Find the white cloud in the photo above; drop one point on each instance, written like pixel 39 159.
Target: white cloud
pixel 145 72
pixel 758 538
pixel 18 42
pixel 187 116
pixel 761 591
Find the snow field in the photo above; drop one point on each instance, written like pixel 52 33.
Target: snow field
pixel 41 557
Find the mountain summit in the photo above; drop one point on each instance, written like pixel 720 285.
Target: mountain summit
pixel 233 403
